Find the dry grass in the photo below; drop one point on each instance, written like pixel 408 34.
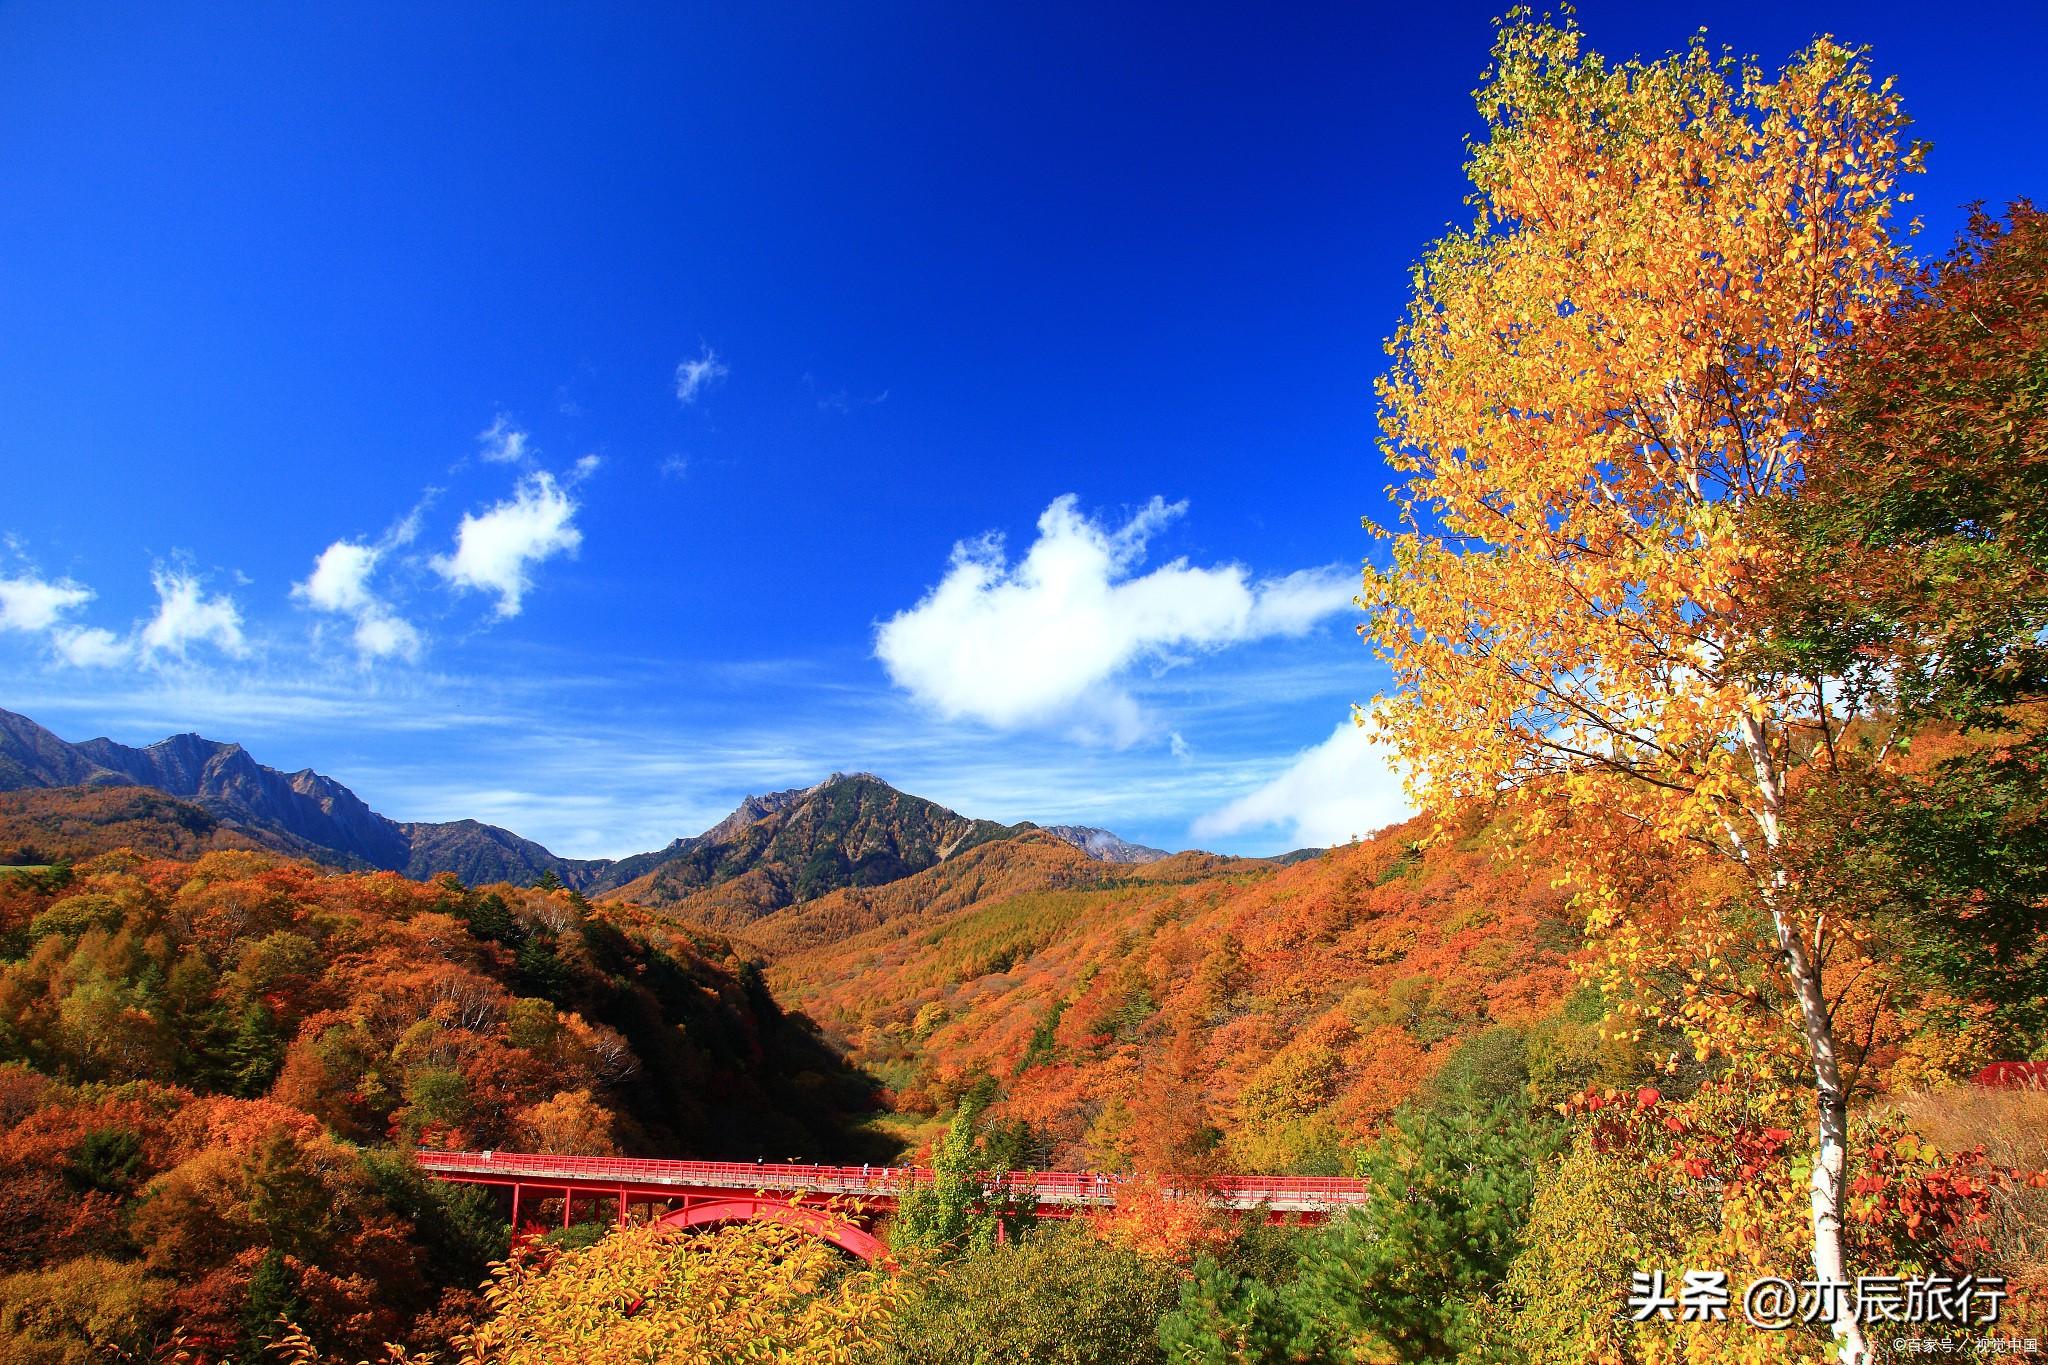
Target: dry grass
pixel 2012 1127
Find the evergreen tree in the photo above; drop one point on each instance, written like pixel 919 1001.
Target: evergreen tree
pixel 1399 1278
pixel 273 1300
pixel 961 1210
pixel 255 1051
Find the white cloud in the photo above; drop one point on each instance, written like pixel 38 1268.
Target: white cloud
pixel 185 615
pixel 503 441
pixel 340 580
pixel 382 635
pixel 844 400
pixel 1293 604
pixel 1045 640
pixel 496 549
pixel 340 583
pixel 695 376
pixel 90 646
pixel 35 604
pixel 675 466
pixel 1344 788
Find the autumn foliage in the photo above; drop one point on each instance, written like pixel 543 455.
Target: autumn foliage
pixel 756 1291
pixel 212 1069
pixel 1715 601
pixel 1222 1014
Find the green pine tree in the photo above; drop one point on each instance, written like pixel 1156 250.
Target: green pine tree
pixel 273 1300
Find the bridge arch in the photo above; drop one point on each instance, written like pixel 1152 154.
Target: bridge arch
pixel 838 1230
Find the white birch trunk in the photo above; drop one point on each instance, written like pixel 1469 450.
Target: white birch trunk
pixel 1829 1185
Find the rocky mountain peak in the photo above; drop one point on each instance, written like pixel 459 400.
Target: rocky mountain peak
pixel 754 809
pixel 751 810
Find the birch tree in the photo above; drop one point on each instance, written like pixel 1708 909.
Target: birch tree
pixel 1596 386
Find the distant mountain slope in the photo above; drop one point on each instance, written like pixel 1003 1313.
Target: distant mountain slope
pixel 1298 855
pixel 302 813
pixel 315 811
pixel 851 830
pixel 1031 861
pixel 480 853
pixel 31 756
pixel 1100 844
pixel 43 824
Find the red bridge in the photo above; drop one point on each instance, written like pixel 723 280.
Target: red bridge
pixel 815 1198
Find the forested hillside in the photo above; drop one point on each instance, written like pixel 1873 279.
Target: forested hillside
pixel 1204 1012
pixel 211 1068
pixel 45 825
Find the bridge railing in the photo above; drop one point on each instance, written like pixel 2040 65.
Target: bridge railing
pixel 1040 1187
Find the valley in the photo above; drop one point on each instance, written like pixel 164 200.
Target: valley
pixel 1149 1012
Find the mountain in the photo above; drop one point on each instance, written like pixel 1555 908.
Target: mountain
pixel 479 853
pixel 753 809
pixel 1031 861
pixel 851 830
pixel 1298 855
pixel 1103 846
pixel 309 812
pixel 31 756
pixel 304 813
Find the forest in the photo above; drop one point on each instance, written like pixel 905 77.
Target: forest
pixel 1716 605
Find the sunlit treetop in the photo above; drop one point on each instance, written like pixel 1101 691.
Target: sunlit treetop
pixel 1626 349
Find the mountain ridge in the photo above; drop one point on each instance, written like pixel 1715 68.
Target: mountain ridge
pixel 774 849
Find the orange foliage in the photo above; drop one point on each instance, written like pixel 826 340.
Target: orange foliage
pixel 41 825
pixel 1197 1012
pixel 197 1061
pixel 1153 1219
pixel 571 1122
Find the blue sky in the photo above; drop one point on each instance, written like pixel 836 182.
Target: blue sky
pixel 580 416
